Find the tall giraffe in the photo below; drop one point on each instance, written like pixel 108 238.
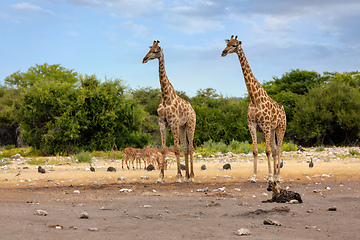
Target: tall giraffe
pixel 176 113
pixel 263 112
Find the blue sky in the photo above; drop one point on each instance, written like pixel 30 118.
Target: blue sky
pixel 109 38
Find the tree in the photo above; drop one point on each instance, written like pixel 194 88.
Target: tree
pixel 219 118
pixel 328 114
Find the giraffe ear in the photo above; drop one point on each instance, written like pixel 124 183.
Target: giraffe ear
pixel 227 40
pixel 150 47
pixel 239 42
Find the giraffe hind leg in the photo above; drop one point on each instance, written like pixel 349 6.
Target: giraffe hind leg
pixel 185 145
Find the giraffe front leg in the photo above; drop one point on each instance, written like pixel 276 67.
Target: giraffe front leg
pixel 162 126
pixel 190 129
pixel 186 152
pixel 175 132
pixel 267 133
pixel 280 136
pixel 252 128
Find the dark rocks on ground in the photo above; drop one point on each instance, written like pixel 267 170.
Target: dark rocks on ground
pixel 111 169
pixel 227 166
pixel 41 170
pixel 203 167
pixel 150 168
pixel 182 166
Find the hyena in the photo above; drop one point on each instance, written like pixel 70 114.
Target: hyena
pixel 280 195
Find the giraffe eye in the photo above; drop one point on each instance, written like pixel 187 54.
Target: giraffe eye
pixel 234 45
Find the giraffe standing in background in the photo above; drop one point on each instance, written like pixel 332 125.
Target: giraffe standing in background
pixel 263 112
pixel 176 113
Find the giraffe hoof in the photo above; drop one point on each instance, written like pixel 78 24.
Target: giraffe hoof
pixel 252 181
pixel 159 181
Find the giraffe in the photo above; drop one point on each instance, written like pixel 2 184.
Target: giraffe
pixel 176 113
pixel 263 112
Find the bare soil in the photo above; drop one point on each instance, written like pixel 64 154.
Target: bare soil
pixel 214 207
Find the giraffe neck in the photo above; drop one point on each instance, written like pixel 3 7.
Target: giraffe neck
pixel 167 90
pixel 253 86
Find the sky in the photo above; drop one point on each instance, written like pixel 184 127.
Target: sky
pixel 109 38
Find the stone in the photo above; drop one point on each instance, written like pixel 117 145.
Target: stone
pixel 125 190
pixel 243 232
pixel 84 215
pixel 333 208
pixel 268 221
pixel 203 189
pixel 93 229
pixel 41 212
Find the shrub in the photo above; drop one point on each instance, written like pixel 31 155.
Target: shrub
pixel 354 152
pixel 84 157
pixel 35 161
pixel 288 147
pixel 245 147
pixel 320 149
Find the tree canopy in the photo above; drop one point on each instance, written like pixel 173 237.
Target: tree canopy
pixel 57 110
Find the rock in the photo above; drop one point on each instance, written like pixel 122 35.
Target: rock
pixel 84 215
pixel 93 229
pixel 123 178
pixel 111 169
pixel 41 170
pixel 308 178
pixel 147 206
pixel 203 167
pixel 150 168
pixel 268 221
pixel 293 201
pixel 5 167
pixel 145 177
pixel 203 190
pixel 77 191
pixel 41 212
pixel 227 166
pixel 333 208
pixel 213 204
pixel 16 157
pixel 32 185
pixel 126 190
pixel 182 166
pixel 317 191
pixel 243 232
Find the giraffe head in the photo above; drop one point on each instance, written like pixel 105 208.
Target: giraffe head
pixel 232 46
pixel 155 52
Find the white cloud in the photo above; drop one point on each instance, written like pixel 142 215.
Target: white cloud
pixel 197 16
pixel 27 7
pixel 137 29
pixel 126 8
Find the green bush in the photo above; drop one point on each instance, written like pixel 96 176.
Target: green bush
pixel 354 152
pixel 289 147
pixel 245 147
pixel 320 149
pixel 35 161
pixel 84 157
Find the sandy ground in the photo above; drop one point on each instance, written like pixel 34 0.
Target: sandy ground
pixel 179 210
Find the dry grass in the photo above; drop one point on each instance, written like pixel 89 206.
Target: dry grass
pixel 76 174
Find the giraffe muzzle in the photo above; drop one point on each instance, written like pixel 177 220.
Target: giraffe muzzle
pixel 224 53
pixel 145 60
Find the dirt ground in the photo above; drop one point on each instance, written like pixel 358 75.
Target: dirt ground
pixel 214 207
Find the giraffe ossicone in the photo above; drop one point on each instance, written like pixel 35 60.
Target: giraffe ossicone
pixel 263 112
pixel 176 113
